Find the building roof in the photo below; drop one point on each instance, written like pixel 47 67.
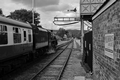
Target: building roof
pixel 105 5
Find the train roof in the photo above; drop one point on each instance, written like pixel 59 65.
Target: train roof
pixel 42 29
pixel 9 21
pixel 106 5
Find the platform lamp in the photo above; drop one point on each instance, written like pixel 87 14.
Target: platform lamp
pixel 81 27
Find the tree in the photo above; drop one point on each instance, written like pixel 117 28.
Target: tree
pixel 61 32
pixel 69 34
pixel 25 16
pixel 1 13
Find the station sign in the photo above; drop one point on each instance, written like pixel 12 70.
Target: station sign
pixel 66 19
pixel 109 45
pixel 89 7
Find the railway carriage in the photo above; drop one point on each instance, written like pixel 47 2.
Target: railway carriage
pixel 15 38
pixel 21 42
pixel 40 37
pixel 41 40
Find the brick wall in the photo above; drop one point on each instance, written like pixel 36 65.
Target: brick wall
pixel 106 44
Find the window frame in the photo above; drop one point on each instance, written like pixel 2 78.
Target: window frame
pixel 29 35
pixel 17 31
pixel 3 31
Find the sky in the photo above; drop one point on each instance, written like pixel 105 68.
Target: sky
pixel 48 9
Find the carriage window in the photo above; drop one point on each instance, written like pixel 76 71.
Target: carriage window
pixel 17 35
pixel 3 35
pixel 24 35
pixel 29 35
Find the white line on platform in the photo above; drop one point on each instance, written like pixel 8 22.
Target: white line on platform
pixel 79 78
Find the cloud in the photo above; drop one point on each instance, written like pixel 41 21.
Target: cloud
pixel 48 9
pixel 60 7
pixel 70 1
pixel 38 3
pixel 66 14
pixel 10 6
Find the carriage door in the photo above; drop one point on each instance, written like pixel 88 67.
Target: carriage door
pixel 24 36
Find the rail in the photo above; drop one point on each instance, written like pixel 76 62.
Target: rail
pixel 34 77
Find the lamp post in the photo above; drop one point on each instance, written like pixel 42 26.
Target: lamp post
pixel 82 34
pixel 82 29
pixel 33 2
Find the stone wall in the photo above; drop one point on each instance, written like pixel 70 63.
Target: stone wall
pixel 106 44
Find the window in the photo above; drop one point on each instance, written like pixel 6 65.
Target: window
pixel 85 44
pixel 24 35
pixel 16 35
pixel 3 34
pixel 29 35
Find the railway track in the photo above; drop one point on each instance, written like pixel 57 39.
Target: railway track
pixel 53 70
pixel 33 70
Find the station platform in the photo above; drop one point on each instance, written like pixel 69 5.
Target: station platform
pixel 75 71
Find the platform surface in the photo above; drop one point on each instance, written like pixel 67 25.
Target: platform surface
pixel 74 70
pixel 79 78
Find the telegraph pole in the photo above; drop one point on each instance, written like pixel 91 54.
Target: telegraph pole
pixel 33 5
